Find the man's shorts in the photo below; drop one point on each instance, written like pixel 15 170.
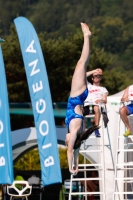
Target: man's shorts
pixel 86 110
pixel 130 108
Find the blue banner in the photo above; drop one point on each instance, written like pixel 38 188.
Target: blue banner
pixel 41 101
pixel 6 163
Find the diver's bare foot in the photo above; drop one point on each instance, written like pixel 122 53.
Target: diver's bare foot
pixel 75 168
pixel 85 29
pixel 73 172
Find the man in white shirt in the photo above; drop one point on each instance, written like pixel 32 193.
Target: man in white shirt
pixel 128 109
pixel 97 95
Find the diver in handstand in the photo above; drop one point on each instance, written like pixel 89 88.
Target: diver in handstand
pixel 74 116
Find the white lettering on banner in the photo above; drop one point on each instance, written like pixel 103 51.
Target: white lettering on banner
pixel 49 161
pixel 1 127
pixel 2 161
pixel 41 103
pixel 40 128
pixel 36 88
pixel 46 146
pixel 30 48
pixel 34 63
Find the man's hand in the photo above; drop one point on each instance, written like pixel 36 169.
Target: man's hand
pixel 124 99
pixel 100 101
pixel 98 71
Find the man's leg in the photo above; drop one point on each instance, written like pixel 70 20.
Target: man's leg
pixel 123 114
pixel 97 115
pixel 97 119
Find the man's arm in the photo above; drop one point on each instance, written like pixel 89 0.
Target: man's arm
pixel 98 70
pixel 103 100
pixel 125 95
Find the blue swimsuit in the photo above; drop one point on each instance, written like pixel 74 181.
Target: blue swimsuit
pixel 72 103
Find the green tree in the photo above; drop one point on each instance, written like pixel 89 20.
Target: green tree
pixel 114 81
pixel 15 73
pixel 61 56
pixel 112 20
pixel 110 34
pixel 31 160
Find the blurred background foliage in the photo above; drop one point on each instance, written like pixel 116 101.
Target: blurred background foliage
pixel 31 161
pixel 57 23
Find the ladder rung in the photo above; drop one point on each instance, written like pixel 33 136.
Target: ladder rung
pixel 75 193
pixel 80 170
pixel 127 164
pixel 125 181
pixel 85 179
pixel 83 167
pixel 94 137
pixel 126 150
pixel 128 181
pixel 87 165
pixel 123 192
pixel 124 178
pixel 85 151
pixel 110 169
pixel 124 168
pixel 121 136
pixel 96 145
